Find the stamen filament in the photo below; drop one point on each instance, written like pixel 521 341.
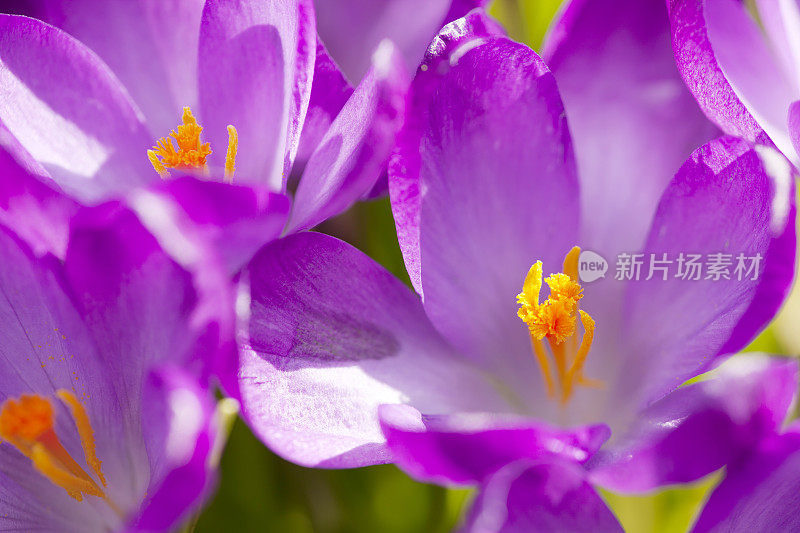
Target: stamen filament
pixel 84 430
pixel 230 156
pixel 51 468
pixel 580 358
pixel 544 365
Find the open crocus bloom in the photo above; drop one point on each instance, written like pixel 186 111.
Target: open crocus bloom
pixel 742 62
pixel 119 99
pixel 488 199
pixel 106 419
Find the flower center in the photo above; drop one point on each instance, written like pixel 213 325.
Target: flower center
pixel 27 424
pixel 556 320
pixel 191 152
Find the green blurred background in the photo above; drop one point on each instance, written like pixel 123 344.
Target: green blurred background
pixel 259 492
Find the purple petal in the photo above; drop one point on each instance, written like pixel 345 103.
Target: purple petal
pixel 794 125
pixel 467 449
pixel 219 219
pixel 352 29
pixel 150 46
pixel 728 198
pixel 69 112
pixel 551 496
pixel 780 22
pixel 760 493
pixel 751 68
pixel 353 153
pixel 329 93
pixel 700 69
pixel 180 436
pixel 32 209
pixel 486 140
pixel 255 72
pixel 698 428
pixel 328 337
pixel 632 120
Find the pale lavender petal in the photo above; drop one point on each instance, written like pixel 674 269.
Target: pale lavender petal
pixel 552 496
pixel 675 328
pixel 180 436
pixel 352 154
pixel 487 141
pixel 255 73
pixel 469 448
pixel 781 22
pixel 150 46
pixel 698 428
pixel 633 122
pixel 328 337
pixel 69 112
pixel 794 125
pixel 760 493
pixel 698 65
pixel 352 29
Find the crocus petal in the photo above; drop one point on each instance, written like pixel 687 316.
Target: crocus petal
pixel 760 493
pixel 255 72
pixel 698 428
pixel 31 208
pixel 676 327
pixel 540 496
pixel 632 120
pixel 180 437
pixel 66 108
pixel 467 449
pixel 353 153
pixel 781 22
pixel 327 337
pixel 794 125
pixel 352 29
pixel 329 93
pixel 486 140
pixel 700 69
pixel 228 220
pixel 150 46
pixel 751 68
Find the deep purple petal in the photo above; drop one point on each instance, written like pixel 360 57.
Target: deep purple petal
pixel 632 120
pixel 728 198
pixel 150 46
pixel 352 29
pixel 697 429
pixel 760 493
pixel 68 111
pixel 255 72
pixel 35 211
pixel 180 434
pixel 483 185
pixel 551 496
pixel 329 336
pixel 703 75
pixel 352 154
pixel 467 449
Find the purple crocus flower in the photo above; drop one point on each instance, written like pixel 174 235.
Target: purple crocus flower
pixel 744 71
pixel 106 423
pixel 586 389
pixel 88 105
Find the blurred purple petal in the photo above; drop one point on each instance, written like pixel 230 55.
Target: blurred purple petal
pixel 699 428
pixel 552 496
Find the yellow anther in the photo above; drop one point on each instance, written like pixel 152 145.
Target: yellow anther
pixel 28 425
pixel 230 156
pixel 555 320
pixel 191 153
pixel 84 430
